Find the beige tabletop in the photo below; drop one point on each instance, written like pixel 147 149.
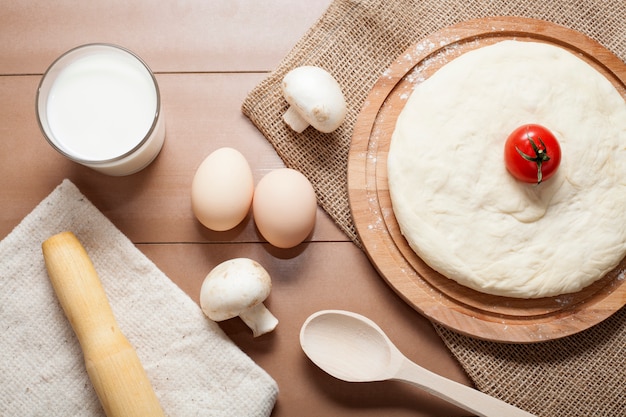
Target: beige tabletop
pixel 207 55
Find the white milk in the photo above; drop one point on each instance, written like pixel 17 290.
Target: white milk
pixel 99 105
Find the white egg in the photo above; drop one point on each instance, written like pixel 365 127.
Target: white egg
pixel 284 207
pixel 222 189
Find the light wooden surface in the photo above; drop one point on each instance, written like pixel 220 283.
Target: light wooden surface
pixel 470 312
pixel 207 55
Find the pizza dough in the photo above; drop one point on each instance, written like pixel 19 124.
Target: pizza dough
pixel 467 217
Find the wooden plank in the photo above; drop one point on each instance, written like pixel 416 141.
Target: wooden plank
pixel 181 36
pixel 202 113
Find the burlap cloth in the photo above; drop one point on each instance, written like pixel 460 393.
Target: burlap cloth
pixel 194 368
pixel 581 375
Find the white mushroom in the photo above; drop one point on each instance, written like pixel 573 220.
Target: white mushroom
pixel 315 99
pixel 238 287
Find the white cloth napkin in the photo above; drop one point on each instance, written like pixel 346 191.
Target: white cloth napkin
pixel 195 369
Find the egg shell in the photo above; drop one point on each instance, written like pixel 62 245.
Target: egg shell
pixel 284 207
pixel 222 189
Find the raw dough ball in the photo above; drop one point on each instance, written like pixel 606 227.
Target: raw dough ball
pixel 466 217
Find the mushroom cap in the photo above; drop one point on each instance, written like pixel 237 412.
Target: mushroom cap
pixel 316 96
pixel 232 287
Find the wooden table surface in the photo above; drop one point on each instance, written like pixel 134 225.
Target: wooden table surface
pixel 207 55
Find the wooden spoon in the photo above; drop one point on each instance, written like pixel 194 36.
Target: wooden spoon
pixel 353 348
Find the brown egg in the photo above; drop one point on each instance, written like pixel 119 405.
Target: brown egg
pixel 284 207
pixel 222 189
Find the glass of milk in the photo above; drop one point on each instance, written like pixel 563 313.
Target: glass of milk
pixel 99 105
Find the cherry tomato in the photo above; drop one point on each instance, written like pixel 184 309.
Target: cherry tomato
pixel 532 154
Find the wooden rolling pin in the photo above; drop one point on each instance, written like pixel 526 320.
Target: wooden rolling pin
pixel 112 363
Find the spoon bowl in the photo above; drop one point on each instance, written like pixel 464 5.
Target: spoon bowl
pixel 347 346
pixel 353 348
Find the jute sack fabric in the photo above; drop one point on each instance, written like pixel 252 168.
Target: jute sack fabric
pixel 194 368
pixel 356 41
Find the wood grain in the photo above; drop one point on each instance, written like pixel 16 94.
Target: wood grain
pixel 439 298
pixel 182 36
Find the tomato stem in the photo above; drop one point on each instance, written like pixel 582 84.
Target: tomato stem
pixel 540 157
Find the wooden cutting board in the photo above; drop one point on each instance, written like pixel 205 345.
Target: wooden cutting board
pixel 437 297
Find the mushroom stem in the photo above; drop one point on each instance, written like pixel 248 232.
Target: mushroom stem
pixel 294 120
pixel 259 319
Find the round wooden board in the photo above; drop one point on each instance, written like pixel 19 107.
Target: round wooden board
pixel 437 297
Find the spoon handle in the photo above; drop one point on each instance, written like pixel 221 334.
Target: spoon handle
pixel 461 395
